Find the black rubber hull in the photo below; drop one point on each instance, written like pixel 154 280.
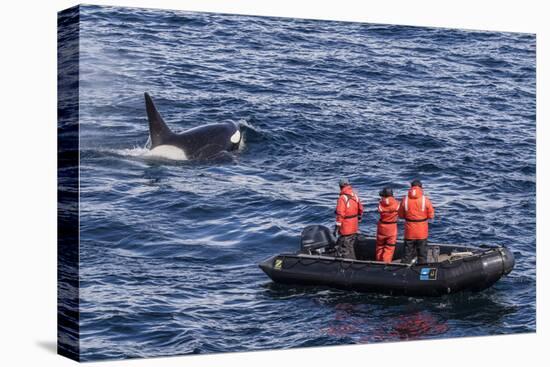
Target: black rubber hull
pixel 473 273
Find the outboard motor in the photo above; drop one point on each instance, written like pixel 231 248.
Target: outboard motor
pixel 317 239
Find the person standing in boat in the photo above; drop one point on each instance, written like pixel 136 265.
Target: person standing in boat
pixel 416 208
pixel 349 211
pixel 386 230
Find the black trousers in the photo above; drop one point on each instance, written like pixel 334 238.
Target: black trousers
pixel 415 248
pixel 346 246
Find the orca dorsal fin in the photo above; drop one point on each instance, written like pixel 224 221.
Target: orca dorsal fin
pixel 158 130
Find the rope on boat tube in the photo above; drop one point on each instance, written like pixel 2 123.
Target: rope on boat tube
pixel 352 265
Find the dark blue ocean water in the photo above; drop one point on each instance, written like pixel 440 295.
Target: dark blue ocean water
pixel 169 249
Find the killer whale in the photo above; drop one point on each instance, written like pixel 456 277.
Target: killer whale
pixel 201 142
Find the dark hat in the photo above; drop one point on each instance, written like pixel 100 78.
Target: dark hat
pixel 416 183
pixel 386 192
pixel 344 182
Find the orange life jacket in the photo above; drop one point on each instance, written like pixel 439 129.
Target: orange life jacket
pixel 348 211
pixel 416 208
pixel 387 225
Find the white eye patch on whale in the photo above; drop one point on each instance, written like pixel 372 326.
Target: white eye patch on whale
pixel 201 142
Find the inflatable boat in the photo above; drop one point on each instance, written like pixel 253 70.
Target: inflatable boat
pixel 450 268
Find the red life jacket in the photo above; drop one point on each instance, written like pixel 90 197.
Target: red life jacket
pixel 416 208
pixel 387 225
pixel 348 211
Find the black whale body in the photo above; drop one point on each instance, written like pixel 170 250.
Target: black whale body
pixel 201 142
pixel 458 267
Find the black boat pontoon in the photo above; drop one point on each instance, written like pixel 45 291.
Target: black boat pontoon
pixel 450 268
